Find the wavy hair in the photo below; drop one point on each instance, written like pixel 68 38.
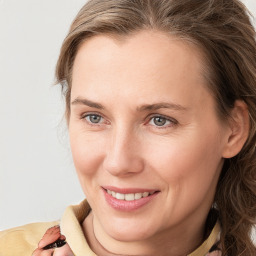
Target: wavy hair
pixel 222 30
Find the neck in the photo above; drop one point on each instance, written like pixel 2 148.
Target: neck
pixel 176 242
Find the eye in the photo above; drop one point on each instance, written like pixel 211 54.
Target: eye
pixel 93 118
pixel 162 121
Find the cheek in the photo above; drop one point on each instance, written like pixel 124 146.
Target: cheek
pixel 189 170
pixel 187 164
pixel 87 154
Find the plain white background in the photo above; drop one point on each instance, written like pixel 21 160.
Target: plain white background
pixel 37 176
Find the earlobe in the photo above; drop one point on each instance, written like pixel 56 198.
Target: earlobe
pixel 239 129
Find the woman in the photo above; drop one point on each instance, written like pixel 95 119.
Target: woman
pixel 160 106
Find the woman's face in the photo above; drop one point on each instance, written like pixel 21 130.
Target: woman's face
pixel 142 120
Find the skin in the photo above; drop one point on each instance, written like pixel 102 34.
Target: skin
pixel 51 236
pixel 182 158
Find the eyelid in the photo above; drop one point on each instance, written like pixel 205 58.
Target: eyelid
pixel 172 120
pixel 150 117
pixel 84 115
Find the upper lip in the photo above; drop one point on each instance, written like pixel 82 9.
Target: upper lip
pixel 128 190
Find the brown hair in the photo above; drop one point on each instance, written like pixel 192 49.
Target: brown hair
pixel 223 32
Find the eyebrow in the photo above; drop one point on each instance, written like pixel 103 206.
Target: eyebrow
pixel 79 101
pixel 146 107
pixel 156 106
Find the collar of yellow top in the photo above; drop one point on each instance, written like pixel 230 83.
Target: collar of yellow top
pixel 71 227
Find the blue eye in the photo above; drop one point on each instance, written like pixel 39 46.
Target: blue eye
pixel 161 121
pixel 94 119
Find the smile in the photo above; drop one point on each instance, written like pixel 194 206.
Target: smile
pixel 130 196
pixel 128 199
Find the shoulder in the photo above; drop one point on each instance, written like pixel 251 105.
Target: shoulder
pixel 23 240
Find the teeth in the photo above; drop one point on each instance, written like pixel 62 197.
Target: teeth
pixel 138 195
pixel 129 197
pixel 145 194
pixel 120 196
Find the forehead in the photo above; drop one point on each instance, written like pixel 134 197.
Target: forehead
pixel 145 47
pixel 149 63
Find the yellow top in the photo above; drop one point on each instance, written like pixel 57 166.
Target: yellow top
pixel 23 241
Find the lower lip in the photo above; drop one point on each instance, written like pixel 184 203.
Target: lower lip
pixel 128 206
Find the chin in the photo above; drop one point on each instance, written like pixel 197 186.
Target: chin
pixel 129 231
pixel 128 237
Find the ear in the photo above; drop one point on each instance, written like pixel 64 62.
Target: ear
pixel 238 124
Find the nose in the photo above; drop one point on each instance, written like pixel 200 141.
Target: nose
pixel 123 156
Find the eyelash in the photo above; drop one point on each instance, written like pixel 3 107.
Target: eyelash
pixel 172 122
pixel 84 117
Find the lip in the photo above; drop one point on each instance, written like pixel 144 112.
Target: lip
pixel 128 190
pixel 128 206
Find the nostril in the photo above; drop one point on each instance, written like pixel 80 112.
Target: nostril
pixel 123 165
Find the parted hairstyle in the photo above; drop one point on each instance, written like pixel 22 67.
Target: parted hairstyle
pixel 223 32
